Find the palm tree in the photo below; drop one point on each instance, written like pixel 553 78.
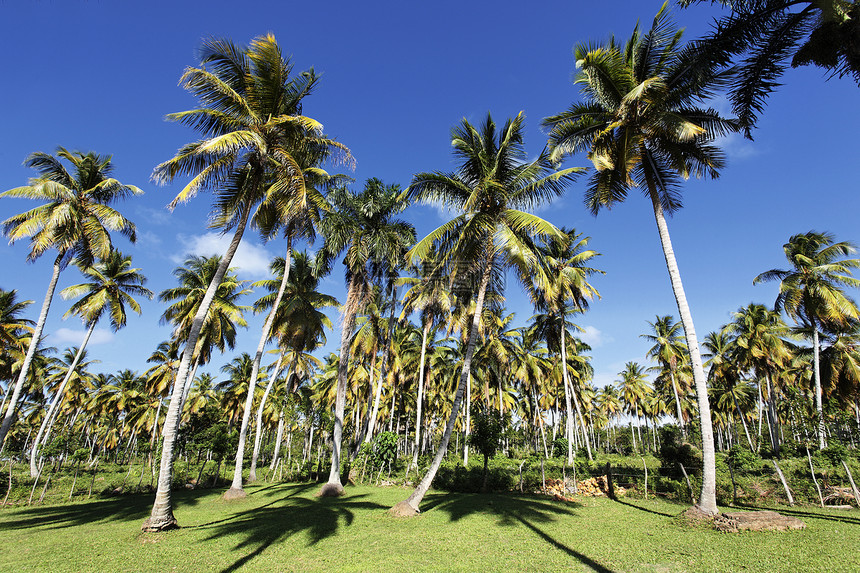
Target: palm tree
pixel 766 33
pixel 633 388
pixel 810 293
pixel 12 326
pixel 723 373
pixel 365 227
pixel 670 351
pixel 759 342
pixel 568 291
pixel 109 290
pixel 299 324
pixel 493 181
pixel 75 220
pixel 643 128
pixel 253 147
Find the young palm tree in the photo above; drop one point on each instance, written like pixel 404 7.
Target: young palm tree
pixel 811 293
pixel 493 182
pixel 109 290
pixel 642 127
pixel 567 292
pixel 669 350
pixel 75 220
pixel 365 227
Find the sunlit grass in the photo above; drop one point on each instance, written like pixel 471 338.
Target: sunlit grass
pixel 284 528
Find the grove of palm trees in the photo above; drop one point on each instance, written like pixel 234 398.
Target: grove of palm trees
pixel 469 339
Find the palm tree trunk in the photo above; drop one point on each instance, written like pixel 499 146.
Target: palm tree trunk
pixel 31 350
pixel 468 420
pixel 333 487
pixel 677 402
pixel 162 517
pixel 258 434
pixel 708 499
pixel 575 399
pixel 816 367
pixel 428 323
pixel 236 490
pixel 741 415
pixel 387 349
pixel 45 428
pixel 415 499
pixel 279 437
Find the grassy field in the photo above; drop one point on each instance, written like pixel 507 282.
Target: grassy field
pixel 285 528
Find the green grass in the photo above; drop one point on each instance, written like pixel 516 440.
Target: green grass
pixel 284 527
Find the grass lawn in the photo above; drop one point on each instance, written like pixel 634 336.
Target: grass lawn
pixel 284 527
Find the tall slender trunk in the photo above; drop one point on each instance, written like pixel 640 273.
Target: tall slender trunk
pixel 468 428
pixel 236 490
pixel 427 324
pixel 816 368
pixel 741 415
pixel 385 352
pixel 162 516
pixel 575 399
pixel 415 499
pixel 278 439
pixel 31 350
pixel 258 434
pixel 45 428
pixel 333 487
pixel 708 499
pixel 677 401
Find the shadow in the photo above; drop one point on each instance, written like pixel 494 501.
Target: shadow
pixel 118 508
pixel 640 508
pixel 800 514
pixel 259 527
pixel 511 510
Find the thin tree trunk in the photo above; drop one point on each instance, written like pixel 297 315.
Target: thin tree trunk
pixel 784 483
pixel 741 415
pixel 414 500
pixel 162 517
pixel 819 406
pixel 45 428
pixel 568 421
pixel 31 350
pixel 468 420
pixel 333 487
pixel 424 334
pixel 385 352
pixel 258 435
pixel 677 402
pixel 236 490
pixel 708 499
pixel 278 439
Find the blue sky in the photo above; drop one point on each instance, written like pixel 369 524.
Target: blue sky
pixel 396 77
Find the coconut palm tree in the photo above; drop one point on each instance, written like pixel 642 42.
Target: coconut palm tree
pixel 642 127
pixel 724 374
pixel 567 292
pixel 632 389
pixel 13 327
pixel 365 227
pixel 112 284
pixel 75 220
pixel 490 234
pixel 299 324
pixel 811 294
pixel 766 35
pixel 670 351
pixel 254 139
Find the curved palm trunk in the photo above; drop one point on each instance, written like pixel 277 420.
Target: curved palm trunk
pixel 31 351
pixel 333 487
pixel 415 499
pixel 258 434
pixel 162 516
pixel 743 421
pixel 819 405
pixel 48 422
pixel 568 394
pixel 708 499
pixel 424 335
pixel 236 487
pixel 279 437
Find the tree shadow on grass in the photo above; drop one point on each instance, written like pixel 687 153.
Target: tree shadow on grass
pixel 800 514
pixel 259 527
pixel 511 510
pixel 119 508
pixel 640 508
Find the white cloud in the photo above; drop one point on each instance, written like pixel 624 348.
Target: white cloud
pixel 155 216
pixel 75 337
pixel 737 147
pixel 250 259
pixel 594 337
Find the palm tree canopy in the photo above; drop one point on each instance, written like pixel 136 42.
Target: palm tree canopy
pixel 13 327
pixel 810 291
pixel 110 288
pixel 640 121
pixel 76 217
